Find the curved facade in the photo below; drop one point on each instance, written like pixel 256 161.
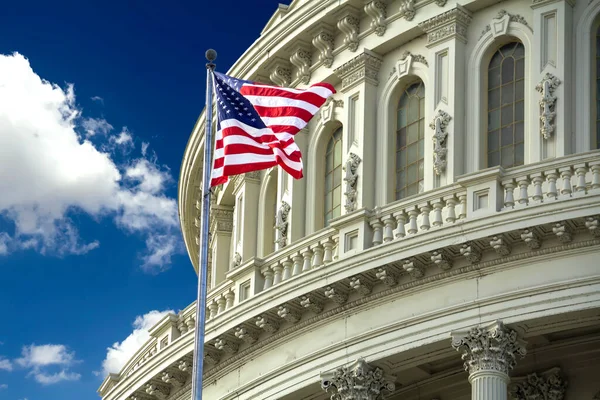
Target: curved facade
pixel 449 218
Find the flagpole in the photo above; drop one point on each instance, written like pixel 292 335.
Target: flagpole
pixel 203 266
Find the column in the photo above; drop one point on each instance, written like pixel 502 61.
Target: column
pixel 489 353
pixel 552 66
pixel 359 88
pixel 446 40
pixel 359 380
pixel 221 226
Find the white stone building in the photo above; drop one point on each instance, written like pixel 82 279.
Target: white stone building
pixel 448 218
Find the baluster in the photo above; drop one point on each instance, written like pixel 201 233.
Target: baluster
pixel 580 170
pixel 222 302
pixel 336 247
pixel 191 320
pixel 213 306
pixel 462 198
pixel 287 269
pixel 377 232
pixel 318 256
pixel 328 252
pixel 230 297
pixel 297 264
pixel 307 255
pixel 523 194
pixel 565 174
pixel 412 219
pixel 595 175
pixel 388 230
pixel 425 224
pixel 552 191
pixel 437 213
pixel 268 275
pixel 509 198
pixel 277 273
pixel 400 222
pixel 451 204
pixel 537 180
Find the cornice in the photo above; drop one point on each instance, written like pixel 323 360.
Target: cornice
pixel 451 24
pixel 362 68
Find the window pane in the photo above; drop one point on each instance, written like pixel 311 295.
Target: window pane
pixel 493 99
pixel 520 90
pixel 401 118
pixel 402 159
pixel 421 128
pixel 507 115
pixel 421 170
pixel 413 133
pixel 412 173
pixel 508 70
pixel 496 60
pixel 337 159
pixel 494 78
pixel 519 154
pixel 412 190
pixel 337 195
pixel 519 111
pixel 493 141
pixel 493 120
pixel 519 132
pixel 403 100
pixel 413 153
pixel 520 69
pixel 422 107
pixel 508 94
pixel 401 182
pixel 507 157
pixel 507 136
pixel 493 159
pixel 329 162
pixel 337 212
pixel 401 138
pixel 413 110
pixel 421 148
pixel 519 51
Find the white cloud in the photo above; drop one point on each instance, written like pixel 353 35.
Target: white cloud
pixel 50 379
pixel 3 386
pixel 34 356
pixel 160 249
pixel 98 99
pixel 5 365
pixel 48 171
pixel 39 358
pixel 119 353
pixel 145 148
pixel 93 126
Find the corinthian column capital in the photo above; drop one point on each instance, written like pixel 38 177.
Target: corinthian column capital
pixel 492 348
pixel 357 381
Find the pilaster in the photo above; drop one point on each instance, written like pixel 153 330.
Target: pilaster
pixel 246 191
pixel 552 70
pixel 360 78
pixel 490 354
pixel 294 193
pixel 221 227
pixel 445 140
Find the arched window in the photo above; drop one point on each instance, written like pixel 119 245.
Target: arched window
pixel 269 213
pixel 333 177
pixel 410 133
pixel 596 69
pixel 506 107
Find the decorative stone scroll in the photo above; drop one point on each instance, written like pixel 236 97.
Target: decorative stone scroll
pixel 301 58
pixel 357 381
pixel 282 224
pixel 363 67
pixel 376 9
pixel 351 179
pixel 348 23
pixel 547 104
pixel 491 348
pixel 407 9
pixel 546 386
pixel 281 73
pixel 439 126
pixel 323 41
pixel 448 25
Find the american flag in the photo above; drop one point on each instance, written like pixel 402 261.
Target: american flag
pixel 257 124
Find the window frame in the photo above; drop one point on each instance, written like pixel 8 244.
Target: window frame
pixel 336 169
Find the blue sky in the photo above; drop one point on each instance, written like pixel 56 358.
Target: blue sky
pixel 97 101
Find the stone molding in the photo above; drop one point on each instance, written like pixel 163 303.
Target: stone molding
pixel 499 24
pixel 301 58
pixel 356 381
pixel 362 68
pixel 280 72
pixel 548 385
pixel 348 22
pixel 377 11
pixel 448 25
pixel 490 348
pixel 221 219
pixel 407 9
pixel 323 40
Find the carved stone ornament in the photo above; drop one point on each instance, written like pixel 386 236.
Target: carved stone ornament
pixel 404 64
pixel 448 25
pixel 441 3
pixel 281 73
pixel 547 386
pixel 158 390
pixel 327 111
pixel 323 41
pixel 221 219
pixel 407 9
pixel 351 179
pixel 359 381
pixel 562 230
pixel 363 67
pixel 547 104
pixel 491 348
pixel 593 226
pixel 348 23
pixel 531 238
pixel 500 245
pixel 301 58
pixel 441 259
pixel 500 23
pixel 376 9
pixel 282 224
pixel 439 126
pixel 236 261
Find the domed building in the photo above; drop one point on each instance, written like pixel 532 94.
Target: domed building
pixel 445 241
